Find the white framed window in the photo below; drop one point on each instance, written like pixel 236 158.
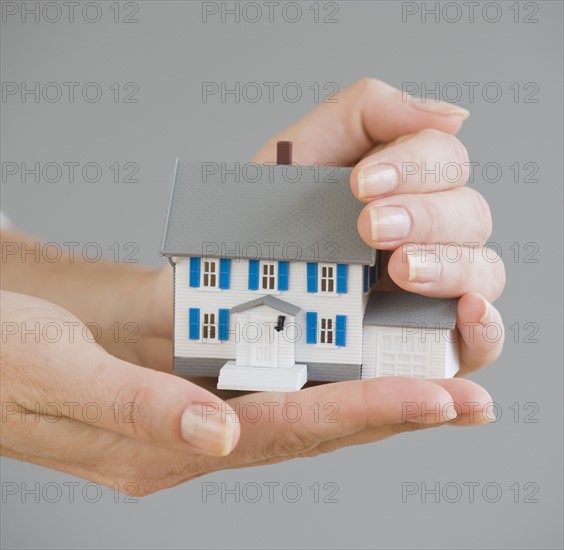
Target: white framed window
pixel 209 327
pixel 327 278
pixel 326 330
pixel 268 275
pixel 210 272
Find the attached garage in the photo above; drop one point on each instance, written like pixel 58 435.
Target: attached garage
pixel 406 334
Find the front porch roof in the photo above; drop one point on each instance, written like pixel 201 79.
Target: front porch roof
pixel 268 300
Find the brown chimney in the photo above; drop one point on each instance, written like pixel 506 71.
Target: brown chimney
pixel 284 152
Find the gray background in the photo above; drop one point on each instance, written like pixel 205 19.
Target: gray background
pixel 169 53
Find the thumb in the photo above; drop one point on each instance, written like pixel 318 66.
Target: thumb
pixel 366 113
pixel 141 404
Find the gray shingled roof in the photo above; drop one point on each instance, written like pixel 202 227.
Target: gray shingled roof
pixel 312 219
pixel 272 301
pixel 397 309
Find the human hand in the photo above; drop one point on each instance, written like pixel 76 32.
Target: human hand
pixel 369 124
pixel 392 140
pixel 69 405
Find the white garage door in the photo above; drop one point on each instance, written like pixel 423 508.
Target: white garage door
pixel 399 355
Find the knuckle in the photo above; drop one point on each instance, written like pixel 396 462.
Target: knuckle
pixel 289 443
pixel 288 439
pixel 493 270
pixel 434 219
pixel 500 278
pixel 499 345
pixel 369 88
pixel 368 85
pixel 141 398
pixel 482 213
pixel 462 274
pixel 324 447
pixel 454 152
pixel 457 150
pixel 459 155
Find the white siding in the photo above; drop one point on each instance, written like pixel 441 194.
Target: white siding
pixel 452 354
pixel 422 354
pixel 351 304
pixel 245 329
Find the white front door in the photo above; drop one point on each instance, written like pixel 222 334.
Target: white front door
pixel 264 349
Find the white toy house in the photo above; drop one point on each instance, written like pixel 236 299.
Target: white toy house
pixel 273 285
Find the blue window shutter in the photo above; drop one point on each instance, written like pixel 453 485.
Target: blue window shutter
pixel 311 327
pixel 223 324
pixel 253 274
pixel 366 275
pixel 341 330
pixel 194 272
pixel 224 272
pixel 283 275
pixel 194 323
pixel 342 271
pixel 311 277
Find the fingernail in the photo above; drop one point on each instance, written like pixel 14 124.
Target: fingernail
pixel 424 267
pixel 450 412
pixel 389 223
pixel 212 434
pixel 438 107
pixel 487 316
pixel 377 179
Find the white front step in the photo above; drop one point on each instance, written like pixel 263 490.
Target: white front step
pixel 234 377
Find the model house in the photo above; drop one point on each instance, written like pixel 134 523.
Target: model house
pixel 273 286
